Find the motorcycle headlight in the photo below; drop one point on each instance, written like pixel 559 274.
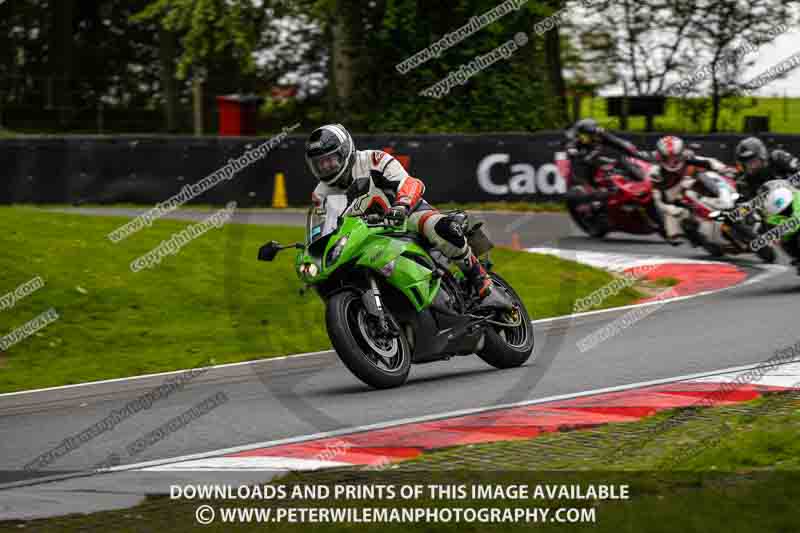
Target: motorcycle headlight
pixel 336 251
pixel 309 270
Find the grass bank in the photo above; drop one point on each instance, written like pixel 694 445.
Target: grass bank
pixel 211 300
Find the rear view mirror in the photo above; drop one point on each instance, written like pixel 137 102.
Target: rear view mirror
pixel 269 251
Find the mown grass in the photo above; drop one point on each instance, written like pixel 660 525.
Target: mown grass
pixel 784 115
pixel 211 300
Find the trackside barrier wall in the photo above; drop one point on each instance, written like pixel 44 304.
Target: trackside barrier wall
pixel 150 169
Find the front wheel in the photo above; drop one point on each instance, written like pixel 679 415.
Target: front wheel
pixel 747 235
pixel 377 358
pixel 509 347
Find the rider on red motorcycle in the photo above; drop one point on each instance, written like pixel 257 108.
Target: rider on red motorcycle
pixel 675 170
pixel 585 145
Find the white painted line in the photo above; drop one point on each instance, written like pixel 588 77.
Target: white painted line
pixel 162 374
pixel 427 418
pixel 769 271
pixel 617 262
pixel 249 464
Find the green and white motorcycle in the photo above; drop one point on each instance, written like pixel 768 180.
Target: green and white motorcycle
pixel 780 212
pixel 392 301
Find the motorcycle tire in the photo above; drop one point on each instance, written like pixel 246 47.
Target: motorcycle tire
pixel 508 347
pixel 746 234
pixel 358 350
pixel 597 229
pixel 767 254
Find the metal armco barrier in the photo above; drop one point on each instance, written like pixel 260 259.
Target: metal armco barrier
pixel 148 170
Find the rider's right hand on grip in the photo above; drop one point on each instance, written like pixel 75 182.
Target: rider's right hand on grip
pixel 374 219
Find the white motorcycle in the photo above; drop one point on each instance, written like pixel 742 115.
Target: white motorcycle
pixel 709 198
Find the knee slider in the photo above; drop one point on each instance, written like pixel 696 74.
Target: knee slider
pixel 450 230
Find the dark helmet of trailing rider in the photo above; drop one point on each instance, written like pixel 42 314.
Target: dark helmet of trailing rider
pixel 330 155
pixel 751 156
pixel 584 131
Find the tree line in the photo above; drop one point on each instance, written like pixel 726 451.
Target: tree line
pixel 135 65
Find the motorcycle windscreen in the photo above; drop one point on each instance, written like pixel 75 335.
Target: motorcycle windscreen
pixel 324 222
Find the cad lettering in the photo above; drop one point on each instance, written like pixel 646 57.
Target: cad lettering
pixel 523 177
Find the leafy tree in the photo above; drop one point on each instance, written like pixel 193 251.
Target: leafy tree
pixel 728 27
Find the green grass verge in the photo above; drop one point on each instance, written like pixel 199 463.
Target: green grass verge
pixel 741 477
pixel 211 300
pixel 666 281
pixel 760 435
pixel 784 114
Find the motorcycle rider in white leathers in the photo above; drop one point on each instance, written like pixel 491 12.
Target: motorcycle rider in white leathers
pixel 676 168
pixel 333 159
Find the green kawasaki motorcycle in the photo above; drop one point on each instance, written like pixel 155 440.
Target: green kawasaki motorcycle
pixel 392 301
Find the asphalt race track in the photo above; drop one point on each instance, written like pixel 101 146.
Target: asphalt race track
pixel 294 397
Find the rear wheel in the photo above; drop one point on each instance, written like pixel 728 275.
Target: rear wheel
pixel 379 359
pixel 509 346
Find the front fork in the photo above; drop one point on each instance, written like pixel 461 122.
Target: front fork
pixel 373 303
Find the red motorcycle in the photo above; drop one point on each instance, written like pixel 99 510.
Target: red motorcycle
pixel 613 201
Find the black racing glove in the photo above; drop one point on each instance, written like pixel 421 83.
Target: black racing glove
pixel 398 214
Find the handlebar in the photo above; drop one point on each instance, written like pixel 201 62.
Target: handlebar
pixel 387 221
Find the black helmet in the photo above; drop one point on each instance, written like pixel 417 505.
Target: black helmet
pixel 584 131
pixel 330 154
pixel 751 155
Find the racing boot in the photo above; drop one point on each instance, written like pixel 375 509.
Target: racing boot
pixel 488 295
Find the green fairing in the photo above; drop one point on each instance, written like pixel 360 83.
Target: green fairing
pixel 778 220
pixel 375 248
